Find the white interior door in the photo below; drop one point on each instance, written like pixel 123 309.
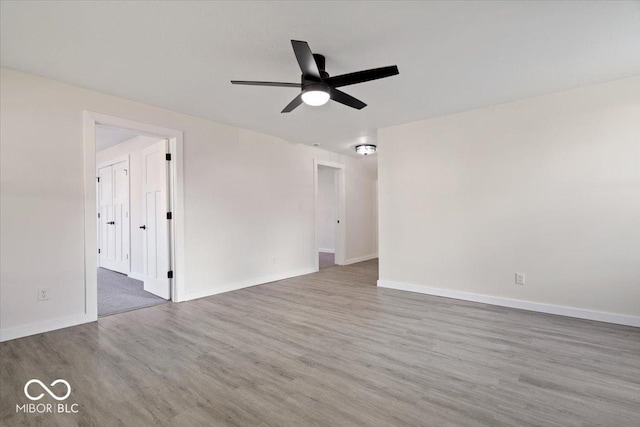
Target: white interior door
pixel 113 220
pixel 156 227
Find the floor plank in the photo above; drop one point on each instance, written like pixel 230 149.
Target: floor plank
pixel 331 349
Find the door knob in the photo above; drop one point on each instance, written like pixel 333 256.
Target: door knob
pixel 144 227
pixel 111 222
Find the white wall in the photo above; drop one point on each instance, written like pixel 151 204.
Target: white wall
pixel 548 186
pixel 132 148
pixel 249 201
pixel 327 209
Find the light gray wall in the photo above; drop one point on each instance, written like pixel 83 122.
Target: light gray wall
pixel 548 186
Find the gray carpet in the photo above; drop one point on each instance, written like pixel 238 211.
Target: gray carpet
pixel 118 293
pixel 326 260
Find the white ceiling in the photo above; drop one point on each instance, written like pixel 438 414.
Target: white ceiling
pixel 452 56
pixel 108 136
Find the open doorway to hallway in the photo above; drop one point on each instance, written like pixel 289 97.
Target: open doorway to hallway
pixel 133 234
pixel 329 195
pixel 327 216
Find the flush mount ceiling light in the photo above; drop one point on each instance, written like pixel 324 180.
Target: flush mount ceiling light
pixel 365 149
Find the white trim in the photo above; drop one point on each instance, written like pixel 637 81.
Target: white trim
pixel 327 250
pixel 600 316
pixel 341 228
pixel 90 220
pixel 246 284
pixel 137 276
pixel 176 149
pixel 44 326
pixel 360 259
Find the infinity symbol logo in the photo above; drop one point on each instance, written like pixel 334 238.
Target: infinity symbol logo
pixel 47 389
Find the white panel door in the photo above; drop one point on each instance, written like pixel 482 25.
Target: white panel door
pixel 156 226
pixel 113 222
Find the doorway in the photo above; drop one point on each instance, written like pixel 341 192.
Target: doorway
pixel 132 174
pixel 329 214
pixel 152 261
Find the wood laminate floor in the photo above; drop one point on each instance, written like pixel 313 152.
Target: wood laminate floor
pixel 331 349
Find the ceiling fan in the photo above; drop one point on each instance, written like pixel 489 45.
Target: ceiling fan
pixel 317 87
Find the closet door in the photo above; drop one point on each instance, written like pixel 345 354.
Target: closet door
pixel 113 194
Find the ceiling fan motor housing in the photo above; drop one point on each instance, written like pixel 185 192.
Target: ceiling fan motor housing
pixel 310 85
pixel 316 91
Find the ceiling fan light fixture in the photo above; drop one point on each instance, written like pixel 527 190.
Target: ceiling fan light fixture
pixel 315 97
pixel 366 149
pixel 318 87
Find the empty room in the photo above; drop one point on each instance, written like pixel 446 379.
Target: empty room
pixel 306 213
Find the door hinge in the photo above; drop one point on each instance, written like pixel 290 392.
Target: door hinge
pixel 168 157
pixel 169 216
pixel 98 178
pixel 98 250
pixel 98 214
pixel 170 274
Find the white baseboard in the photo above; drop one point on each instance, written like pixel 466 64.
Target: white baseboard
pixel 327 250
pixel 360 259
pixel 45 326
pixel 244 284
pixel 137 276
pixel 600 316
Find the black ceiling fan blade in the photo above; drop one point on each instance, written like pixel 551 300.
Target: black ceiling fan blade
pixel 348 100
pixel 293 104
pixel 305 59
pixel 253 83
pixel 362 76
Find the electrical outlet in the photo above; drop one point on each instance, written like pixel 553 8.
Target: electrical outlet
pixel 519 278
pixel 43 294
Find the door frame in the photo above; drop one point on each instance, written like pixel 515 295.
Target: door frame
pixel 341 227
pixel 176 201
pixel 99 166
